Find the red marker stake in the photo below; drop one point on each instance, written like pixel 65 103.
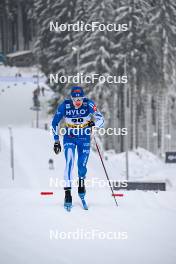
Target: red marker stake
pixel 118 194
pixel 46 193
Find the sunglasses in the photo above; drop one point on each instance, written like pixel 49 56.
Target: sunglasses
pixel 77 99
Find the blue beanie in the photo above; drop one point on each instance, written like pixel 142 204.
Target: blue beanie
pixel 77 91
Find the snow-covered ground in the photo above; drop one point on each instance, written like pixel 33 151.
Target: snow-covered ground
pixel 16 96
pixel 28 219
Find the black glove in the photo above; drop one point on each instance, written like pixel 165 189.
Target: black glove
pixel 57 147
pixel 91 123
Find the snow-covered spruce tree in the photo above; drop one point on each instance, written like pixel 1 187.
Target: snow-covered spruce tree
pixel 96 58
pixel 52 47
pixel 163 19
pixel 81 15
pixel 81 10
pixel 132 45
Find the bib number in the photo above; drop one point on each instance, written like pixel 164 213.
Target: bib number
pixel 76 120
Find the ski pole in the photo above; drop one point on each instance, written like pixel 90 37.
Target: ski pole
pixel 105 170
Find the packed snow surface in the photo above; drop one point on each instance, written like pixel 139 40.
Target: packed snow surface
pixel 30 223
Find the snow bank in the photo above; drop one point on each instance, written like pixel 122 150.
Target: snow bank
pixel 143 165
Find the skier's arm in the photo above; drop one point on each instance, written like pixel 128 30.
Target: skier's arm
pixel 98 117
pixel 56 119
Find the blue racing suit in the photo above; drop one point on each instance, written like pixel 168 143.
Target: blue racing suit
pixel 76 134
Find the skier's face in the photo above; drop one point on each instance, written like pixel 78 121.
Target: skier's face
pixel 77 101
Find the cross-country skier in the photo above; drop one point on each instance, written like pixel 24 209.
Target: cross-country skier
pixel 80 115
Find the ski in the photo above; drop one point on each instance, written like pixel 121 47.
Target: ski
pixel 84 204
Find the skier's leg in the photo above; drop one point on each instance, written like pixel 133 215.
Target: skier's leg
pixel 69 150
pixel 83 147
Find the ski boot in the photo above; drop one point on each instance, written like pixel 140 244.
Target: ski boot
pixel 68 199
pixel 82 193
